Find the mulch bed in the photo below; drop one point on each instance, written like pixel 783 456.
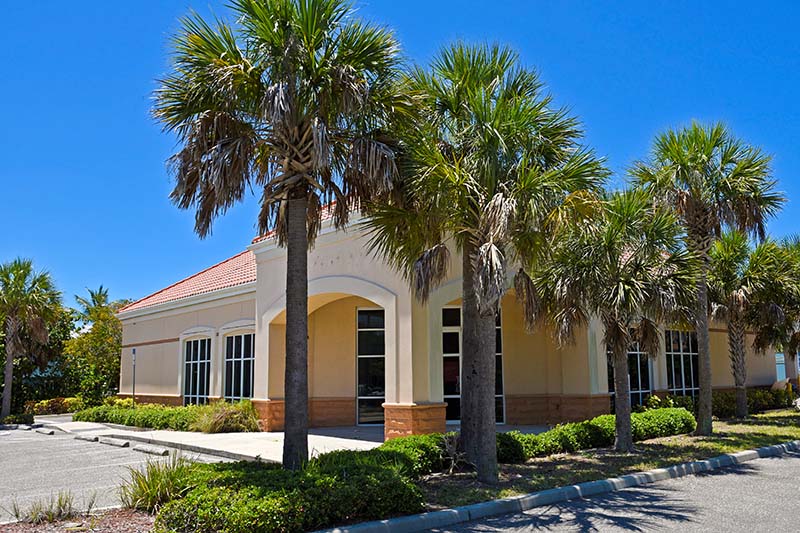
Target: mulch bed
pixel 113 521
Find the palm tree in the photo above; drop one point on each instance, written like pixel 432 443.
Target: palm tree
pixel 485 161
pixel 712 180
pixel 628 267
pixel 28 302
pixel 748 288
pixel 290 102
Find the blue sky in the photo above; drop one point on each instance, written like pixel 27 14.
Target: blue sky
pixel 83 180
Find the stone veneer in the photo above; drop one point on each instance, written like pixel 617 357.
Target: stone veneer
pixel 401 420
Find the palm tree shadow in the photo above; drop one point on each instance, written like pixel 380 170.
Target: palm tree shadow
pixel 652 506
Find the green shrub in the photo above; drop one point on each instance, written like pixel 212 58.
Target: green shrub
pixel 510 447
pixel 116 401
pixel 24 418
pixel 218 417
pixel 423 453
pixel 758 400
pixel 54 406
pixel 335 488
pixel 662 423
pixel 223 417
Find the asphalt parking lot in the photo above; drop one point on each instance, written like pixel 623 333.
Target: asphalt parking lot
pixel 756 496
pixel 34 466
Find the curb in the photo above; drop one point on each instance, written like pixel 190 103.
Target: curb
pixel 191 448
pixel 518 504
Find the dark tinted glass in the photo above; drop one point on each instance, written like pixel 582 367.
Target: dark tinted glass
pixel 248 346
pixel 498 341
pixel 368 319
pixel 450 342
pixel 451 317
pixel 228 378
pixel 228 347
pixel 370 411
pixel 498 410
pixel 247 385
pixel 371 343
pixel 451 375
pixel 453 410
pixel 371 376
pixel 498 375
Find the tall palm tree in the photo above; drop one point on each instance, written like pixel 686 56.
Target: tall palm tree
pixel 713 180
pixel 630 268
pixel 486 160
pixel 290 102
pixel 748 288
pixel 28 302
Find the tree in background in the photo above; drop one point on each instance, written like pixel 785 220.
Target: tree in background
pixel 749 288
pixel 292 102
pixel 712 180
pixel 93 354
pixel 628 267
pixel 487 159
pixel 28 304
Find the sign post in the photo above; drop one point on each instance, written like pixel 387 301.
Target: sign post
pixel 133 387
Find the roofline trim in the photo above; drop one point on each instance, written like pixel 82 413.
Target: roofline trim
pixel 188 301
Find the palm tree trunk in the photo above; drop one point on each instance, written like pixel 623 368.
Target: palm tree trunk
pixel 736 350
pixel 478 430
pixel 8 376
pixel 295 443
pixel 623 441
pixel 703 359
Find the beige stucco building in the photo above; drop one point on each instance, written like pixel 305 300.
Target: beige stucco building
pixel 376 355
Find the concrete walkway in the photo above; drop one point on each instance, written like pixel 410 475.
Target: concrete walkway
pixel 265 446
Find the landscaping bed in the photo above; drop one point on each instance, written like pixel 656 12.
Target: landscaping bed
pixel 217 417
pixel 113 521
pixel 559 470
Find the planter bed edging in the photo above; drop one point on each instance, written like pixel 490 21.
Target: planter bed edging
pixel 518 504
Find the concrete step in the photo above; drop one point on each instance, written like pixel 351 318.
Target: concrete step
pixel 152 450
pixel 114 442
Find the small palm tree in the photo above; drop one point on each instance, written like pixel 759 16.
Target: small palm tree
pixel 628 267
pixel 28 302
pixel 486 160
pixel 291 102
pixel 748 288
pixel 712 180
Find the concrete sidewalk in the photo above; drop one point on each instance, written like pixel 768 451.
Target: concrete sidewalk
pixel 265 446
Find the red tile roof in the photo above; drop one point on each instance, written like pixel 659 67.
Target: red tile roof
pixel 238 270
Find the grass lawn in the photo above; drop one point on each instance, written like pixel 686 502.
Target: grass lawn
pixel 729 436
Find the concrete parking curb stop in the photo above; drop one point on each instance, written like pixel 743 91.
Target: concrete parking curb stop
pixel 518 504
pixel 114 442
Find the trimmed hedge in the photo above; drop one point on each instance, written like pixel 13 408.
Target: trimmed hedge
pixel 217 417
pixel 723 403
pixel 24 418
pixel 599 432
pixel 54 406
pixel 335 488
pixel 351 486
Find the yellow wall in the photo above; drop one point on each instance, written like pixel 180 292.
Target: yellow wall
pixel 158 351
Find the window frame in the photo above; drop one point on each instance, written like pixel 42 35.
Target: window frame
pixel 669 356
pixel 232 334
pixel 187 381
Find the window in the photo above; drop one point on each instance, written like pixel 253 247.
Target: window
pixel 638 375
pixel 681 353
pixel 451 365
pixel 780 366
pixel 197 371
pixel 239 361
pixel 370 359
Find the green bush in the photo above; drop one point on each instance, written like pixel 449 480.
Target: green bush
pixel 24 418
pixel 758 400
pixel 158 483
pixel 54 406
pixel 335 488
pixel 662 423
pixel 215 418
pixel 223 417
pixel 423 453
pixel 510 448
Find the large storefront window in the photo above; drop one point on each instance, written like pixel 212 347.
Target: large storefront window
pixel 638 375
pixel 197 371
pixel 451 365
pixel 681 353
pixel 371 361
pixel 239 362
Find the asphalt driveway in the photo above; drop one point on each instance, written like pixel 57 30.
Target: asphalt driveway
pixel 760 495
pixel 34 466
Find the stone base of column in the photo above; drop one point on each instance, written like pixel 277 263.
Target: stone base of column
pixel 270 414
pixel 401 420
